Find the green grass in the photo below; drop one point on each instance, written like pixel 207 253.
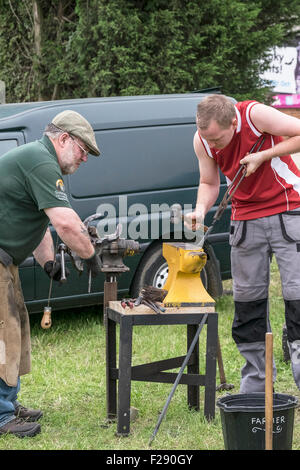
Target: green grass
pixel 68 383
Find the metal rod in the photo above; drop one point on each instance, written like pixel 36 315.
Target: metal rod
pixel 51 279
pixel 184 364
pixel 46 321
pixel 62 250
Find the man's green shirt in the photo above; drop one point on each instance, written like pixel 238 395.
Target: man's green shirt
pixel 31 181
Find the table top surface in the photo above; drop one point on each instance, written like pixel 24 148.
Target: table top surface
pixel 144 310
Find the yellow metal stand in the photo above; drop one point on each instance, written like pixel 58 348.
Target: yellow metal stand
pixel 184 284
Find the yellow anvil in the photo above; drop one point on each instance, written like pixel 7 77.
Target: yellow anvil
pixel 184 284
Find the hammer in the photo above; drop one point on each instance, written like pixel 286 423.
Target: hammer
pixel 46 321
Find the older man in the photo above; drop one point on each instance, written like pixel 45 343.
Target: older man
pixel 265 217
pixel 32 194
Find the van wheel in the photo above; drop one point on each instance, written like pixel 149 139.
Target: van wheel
pixel 153 271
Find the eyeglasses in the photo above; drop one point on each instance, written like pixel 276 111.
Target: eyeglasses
pixel 85 152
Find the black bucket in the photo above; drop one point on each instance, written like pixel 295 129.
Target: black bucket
pixel 243 421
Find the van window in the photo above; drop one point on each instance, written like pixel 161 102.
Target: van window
pixel 6 145
pixel 150 158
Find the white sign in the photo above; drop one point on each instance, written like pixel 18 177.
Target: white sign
pixel 284 69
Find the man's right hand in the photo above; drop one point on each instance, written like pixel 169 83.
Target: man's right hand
pixel 194 221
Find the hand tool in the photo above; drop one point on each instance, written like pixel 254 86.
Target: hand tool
pixel 153 294
pixel 156 308
pixel 269 391
pixel 62 250
pixel 184 364
pixel 150 296
pixel 127 303
pixel 46 321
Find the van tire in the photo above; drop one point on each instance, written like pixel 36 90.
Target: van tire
pixel 153 271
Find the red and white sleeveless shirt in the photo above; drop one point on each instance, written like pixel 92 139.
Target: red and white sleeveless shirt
pixel 273 188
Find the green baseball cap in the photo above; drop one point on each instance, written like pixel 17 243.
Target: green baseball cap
pixel 76 125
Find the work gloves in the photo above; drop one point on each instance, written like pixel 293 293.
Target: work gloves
pixel 53 270
pixel 93 265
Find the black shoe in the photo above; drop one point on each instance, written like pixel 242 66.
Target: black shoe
pixel 27 413
pixel 20 428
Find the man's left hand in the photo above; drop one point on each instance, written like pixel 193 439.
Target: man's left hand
pixel 252 162
pixel 53 270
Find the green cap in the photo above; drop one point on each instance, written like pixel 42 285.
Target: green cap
pixel 76 125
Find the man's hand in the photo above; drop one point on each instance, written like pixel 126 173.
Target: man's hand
pixel 93 265
pixel 252 162
pixel 53 270
pixel 194 221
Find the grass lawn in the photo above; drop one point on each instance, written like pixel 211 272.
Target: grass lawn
pixel 68 383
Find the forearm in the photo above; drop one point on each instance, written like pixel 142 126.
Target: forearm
pixel 77 239
pixel 206 197
pixel 271 121
pixel 286 147
pixel 71 230
pixel 45 250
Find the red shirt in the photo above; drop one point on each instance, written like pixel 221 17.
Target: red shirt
pixel 273 188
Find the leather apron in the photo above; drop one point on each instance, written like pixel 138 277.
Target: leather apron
pixel 15 345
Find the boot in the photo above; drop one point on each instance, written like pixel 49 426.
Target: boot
pixel 27 414
pixel 20 428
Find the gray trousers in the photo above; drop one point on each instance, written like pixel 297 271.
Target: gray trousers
pixel 253 242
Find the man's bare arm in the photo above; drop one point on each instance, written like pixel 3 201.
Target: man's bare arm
pixel 71 230
pixel 209 183
pixel 45 250
pixel 269 120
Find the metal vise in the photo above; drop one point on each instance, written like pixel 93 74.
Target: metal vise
pixel 184 284
pixel 110 249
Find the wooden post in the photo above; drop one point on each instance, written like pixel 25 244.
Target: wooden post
pixel 269 392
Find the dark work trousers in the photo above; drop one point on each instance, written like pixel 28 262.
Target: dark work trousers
pixel 252 244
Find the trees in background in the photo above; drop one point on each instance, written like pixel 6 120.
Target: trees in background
pixel 55 49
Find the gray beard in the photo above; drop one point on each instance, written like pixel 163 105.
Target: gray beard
pixel 68 168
